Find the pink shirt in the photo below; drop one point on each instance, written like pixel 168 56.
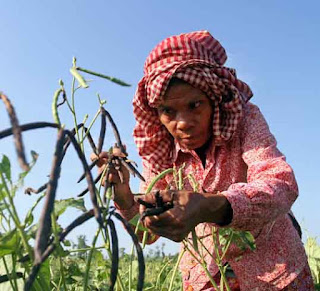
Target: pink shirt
pixel 261 188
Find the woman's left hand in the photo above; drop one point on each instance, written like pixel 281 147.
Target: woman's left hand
pixel 189 209
pixel 178 221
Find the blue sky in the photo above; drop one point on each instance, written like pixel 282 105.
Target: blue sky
pixel 274 45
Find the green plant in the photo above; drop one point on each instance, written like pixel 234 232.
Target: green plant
pixel 30 250
pixel 222 238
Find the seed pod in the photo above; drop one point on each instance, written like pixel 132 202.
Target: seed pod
pixel 54 106
pixel 78 77
pixel 115 254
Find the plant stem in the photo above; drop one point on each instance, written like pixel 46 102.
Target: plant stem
pixel 175 269
pixel 13 213
pixel 86 276
pixel 219 260
pixel 214 284
pixel 9 274
pixel 86 249
pixel 90 125
pixel 57 242
pixel 73 111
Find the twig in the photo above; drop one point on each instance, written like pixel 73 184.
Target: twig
pixel 102 129
pixel 91 185
pixel 96 180
pixel 16 132
pixel 115 254
pixel 115 132
pixel 5 278
pixel 138 248
pixel 90 167
pixel 43 232
pixel 30 190
pixel 28 126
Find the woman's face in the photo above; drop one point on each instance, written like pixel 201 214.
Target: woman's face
pixel 186 112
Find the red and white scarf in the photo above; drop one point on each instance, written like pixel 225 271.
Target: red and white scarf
pixel 197 58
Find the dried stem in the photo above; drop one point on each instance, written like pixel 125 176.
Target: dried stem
pixel 138 248
pixel 115 254
pixel 43 232
pixel 96 180
pixel 5 278
pixel 16 132
pixel 102 129
pixel 91 185
pixel 28 126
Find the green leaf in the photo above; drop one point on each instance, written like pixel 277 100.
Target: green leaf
pixel 9 243
pixel 135 221
pixel 61 206
pixel 59 251
pixel 66 243
pixel 3 194
pixel 97 258
pixel 32 230
pixel 6 286
pixel 5 167
pixel 29 217
pixel 313 252
pixel 248 239
pixel 44 273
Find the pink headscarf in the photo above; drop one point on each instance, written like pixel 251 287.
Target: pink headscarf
pixel 196 58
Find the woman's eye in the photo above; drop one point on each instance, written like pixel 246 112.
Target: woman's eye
pixel 166 111
pixel 195 104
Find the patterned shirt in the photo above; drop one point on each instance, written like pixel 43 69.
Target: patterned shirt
pixel 259 184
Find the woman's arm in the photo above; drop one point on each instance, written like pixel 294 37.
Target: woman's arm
pixel 269 192
pixel 271 188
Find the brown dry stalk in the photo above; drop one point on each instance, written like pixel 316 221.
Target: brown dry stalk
pixel 30 190
pixel 5 278
pixel 90 167
pixel 51 246
pixel 115 131
pixel 28 126
pixel 138 248
pixel 91 185
pixel 115 254
pixel 96 180
pixel 102 130
pixel 16 132
pixel 44 230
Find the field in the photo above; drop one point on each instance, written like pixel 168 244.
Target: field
pixel 37 255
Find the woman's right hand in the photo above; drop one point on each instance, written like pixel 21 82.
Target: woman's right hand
pixel 123 196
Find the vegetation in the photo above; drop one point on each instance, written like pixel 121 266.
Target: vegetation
pixel 35 254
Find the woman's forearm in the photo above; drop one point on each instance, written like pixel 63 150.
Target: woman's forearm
pixel 216 208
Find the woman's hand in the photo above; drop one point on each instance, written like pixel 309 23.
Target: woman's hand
pixel 189 209
pixel 119 179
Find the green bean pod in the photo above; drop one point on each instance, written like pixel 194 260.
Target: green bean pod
pixel 55 106
pixel 78 77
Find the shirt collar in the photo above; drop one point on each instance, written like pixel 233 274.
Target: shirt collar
pixel 177 149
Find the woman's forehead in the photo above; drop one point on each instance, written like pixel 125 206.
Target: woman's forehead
pixel 182 92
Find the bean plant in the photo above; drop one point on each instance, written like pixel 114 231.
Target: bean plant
pixel 32 252
pixel 222 238
pixel 36 255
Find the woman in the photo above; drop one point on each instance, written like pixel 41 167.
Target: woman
pixel 192 110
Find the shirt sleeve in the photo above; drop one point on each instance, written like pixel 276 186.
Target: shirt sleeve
pixel 271 187
pixel 128 214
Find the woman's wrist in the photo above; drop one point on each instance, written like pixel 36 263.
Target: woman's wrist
pixel 123 196
pixel 215 208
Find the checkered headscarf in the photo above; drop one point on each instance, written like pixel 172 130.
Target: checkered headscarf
pixel 196 58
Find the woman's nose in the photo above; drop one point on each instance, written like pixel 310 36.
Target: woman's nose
pixel 184 122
